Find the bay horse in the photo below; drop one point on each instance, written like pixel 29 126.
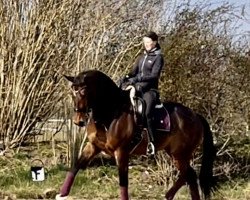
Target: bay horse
pixel 109 117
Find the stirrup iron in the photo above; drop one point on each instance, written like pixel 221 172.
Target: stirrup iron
pixel 150 149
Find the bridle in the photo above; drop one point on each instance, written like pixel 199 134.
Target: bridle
pixel 83 110
pixel 86 110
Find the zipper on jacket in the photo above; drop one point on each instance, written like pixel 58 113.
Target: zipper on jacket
pixel 143 63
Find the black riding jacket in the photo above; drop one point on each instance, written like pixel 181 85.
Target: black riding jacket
pixel 147 69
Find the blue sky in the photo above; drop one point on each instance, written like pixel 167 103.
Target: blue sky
pixel 244 22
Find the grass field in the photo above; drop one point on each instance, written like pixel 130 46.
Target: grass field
pixel 147 180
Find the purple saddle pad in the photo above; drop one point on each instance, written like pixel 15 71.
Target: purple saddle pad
pixel 161 118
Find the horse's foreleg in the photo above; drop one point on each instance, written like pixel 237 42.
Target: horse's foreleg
pixel 88 153
pixel 122 158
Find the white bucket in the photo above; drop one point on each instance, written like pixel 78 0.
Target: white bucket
pixel 37 172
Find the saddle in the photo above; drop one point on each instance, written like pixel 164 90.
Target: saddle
pixel 161 119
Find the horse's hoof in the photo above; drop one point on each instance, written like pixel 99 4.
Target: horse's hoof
pixel 169 197
pixel 58 197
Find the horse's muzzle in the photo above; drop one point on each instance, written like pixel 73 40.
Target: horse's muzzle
pixel 80 123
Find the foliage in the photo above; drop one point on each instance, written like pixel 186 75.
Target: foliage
pixel 206 69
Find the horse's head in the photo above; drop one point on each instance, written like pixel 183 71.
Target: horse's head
pixel 81 109
pixel 95 93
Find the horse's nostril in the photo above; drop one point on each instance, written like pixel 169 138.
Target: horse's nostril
pixel 81 123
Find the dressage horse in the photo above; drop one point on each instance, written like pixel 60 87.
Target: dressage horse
pixel 109 117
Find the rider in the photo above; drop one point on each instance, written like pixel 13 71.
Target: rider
pixel 145 77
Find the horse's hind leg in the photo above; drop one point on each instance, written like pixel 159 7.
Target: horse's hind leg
pixel 187 175
pixel 180 181
pixel 192 182
pixel 88 153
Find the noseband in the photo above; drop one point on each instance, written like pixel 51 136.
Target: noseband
pixel 83 110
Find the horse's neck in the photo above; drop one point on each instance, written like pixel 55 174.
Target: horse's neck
pixel 107 108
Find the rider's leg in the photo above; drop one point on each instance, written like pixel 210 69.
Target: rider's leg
pixel 150 98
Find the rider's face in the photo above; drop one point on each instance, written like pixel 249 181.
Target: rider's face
pixel 149 44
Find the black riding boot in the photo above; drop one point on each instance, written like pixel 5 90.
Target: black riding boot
pixel 151 147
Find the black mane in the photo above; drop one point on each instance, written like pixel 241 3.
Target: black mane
pixel 104 97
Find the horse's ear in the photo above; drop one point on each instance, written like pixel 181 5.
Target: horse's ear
pixel 69 78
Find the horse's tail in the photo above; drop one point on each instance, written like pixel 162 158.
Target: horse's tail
pixel 207 180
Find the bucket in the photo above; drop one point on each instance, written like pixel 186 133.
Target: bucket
pixel 37 171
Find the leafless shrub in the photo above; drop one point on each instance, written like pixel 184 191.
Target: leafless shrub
pixel 207 69
pixel 166 172
pixel 41 40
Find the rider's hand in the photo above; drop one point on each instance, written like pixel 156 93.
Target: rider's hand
pixel 133 80
pixel 139 78
pixel 122 81
pixel 138 87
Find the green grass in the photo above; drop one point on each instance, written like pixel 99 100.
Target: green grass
pixel 100 182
